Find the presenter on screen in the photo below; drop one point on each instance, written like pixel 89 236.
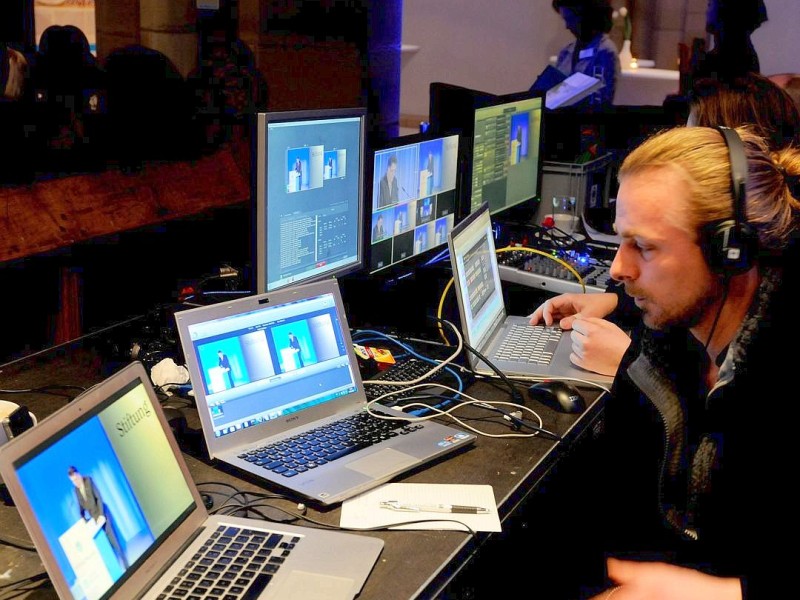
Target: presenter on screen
pixel 593 52
pixel 378 231
pixel 294 344
pixel 92 508
pixel 225 365
pixel 389 192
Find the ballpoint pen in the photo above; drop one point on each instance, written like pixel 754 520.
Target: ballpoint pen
pixel 440 508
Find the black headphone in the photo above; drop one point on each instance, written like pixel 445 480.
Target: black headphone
pixel 730 245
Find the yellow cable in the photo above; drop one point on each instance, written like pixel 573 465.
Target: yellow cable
pixel 441 308
pixel 564 264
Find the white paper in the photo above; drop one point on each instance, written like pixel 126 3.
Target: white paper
pixel 366 511
pixel 574 88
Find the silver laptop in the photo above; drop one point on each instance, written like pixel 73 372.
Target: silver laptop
pixel 279 369
pixel 510 343
pixel 112 509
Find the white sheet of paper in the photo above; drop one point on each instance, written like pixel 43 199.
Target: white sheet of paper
pixel 574 88
pixel 366 511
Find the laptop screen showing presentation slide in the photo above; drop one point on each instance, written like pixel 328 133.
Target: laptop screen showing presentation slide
pixel 110 504
pixel 510 343
pixel 271 370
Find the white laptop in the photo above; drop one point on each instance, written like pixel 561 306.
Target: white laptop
pixel 114 513
pixel 510 343
pixel 273 369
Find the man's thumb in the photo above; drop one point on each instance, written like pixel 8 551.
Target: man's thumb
pixel 620 571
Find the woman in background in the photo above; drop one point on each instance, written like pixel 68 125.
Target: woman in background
pixel 593 52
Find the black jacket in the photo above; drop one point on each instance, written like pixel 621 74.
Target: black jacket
pixel 704 478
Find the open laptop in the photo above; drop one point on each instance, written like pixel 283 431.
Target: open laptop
pixel 281 365
pixel 486 326
pixel 112 509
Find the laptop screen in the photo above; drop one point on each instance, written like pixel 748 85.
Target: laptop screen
pixel 266 363
pixel 106 491
pixel 478 278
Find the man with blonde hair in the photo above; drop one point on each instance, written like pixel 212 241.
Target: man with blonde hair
pixel 693 480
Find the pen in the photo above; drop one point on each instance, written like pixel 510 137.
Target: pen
pixel 441 508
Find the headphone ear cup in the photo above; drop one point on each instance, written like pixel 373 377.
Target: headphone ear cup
pixel 729 247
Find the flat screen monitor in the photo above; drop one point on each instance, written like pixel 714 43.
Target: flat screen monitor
pixel 505 162
pixel 451 107
pixel 414 192
pixel 309 185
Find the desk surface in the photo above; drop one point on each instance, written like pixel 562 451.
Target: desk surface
pixel 512 466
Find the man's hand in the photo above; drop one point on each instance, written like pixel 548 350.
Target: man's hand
pixel 597 345
pixel 564 307
pixel 661 581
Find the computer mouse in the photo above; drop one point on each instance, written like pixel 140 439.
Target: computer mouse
pixel 558 395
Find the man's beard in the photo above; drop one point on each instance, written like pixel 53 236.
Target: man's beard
pixel 688 316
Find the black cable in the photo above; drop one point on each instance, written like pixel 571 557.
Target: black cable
pixel 19 544
pixel 719 312
pixel 19 586
pixel 515 394
pixel 46 389
pixel 523 423
pixel 298 516
pixel 518 422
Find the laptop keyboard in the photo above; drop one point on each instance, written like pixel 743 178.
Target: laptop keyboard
pixel 527 344
pixel 233 563
pixel 321 445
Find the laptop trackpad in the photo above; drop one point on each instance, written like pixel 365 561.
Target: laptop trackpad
pixel 302 585
pixel 376 465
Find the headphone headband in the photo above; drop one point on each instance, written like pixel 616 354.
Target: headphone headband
pixel 730 244
pixel 738 160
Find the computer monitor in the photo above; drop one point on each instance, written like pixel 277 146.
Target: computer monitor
pixel 505 165
pixel 414 193
pixel 451 107
pixel 309 185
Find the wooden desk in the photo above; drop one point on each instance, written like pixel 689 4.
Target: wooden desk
pixel 414 564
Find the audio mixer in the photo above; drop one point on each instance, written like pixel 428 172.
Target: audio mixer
pixel 534 270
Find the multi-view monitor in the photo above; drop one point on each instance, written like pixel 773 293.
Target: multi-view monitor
pixel 414 194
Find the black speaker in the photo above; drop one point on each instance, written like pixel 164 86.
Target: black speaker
pixel 730 245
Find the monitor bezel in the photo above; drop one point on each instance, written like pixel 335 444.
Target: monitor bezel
pixel 259 153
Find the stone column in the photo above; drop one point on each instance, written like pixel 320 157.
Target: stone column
pixel 116 25
pixel 170 28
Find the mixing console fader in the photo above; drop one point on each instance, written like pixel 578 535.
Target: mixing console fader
pixel 537 271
